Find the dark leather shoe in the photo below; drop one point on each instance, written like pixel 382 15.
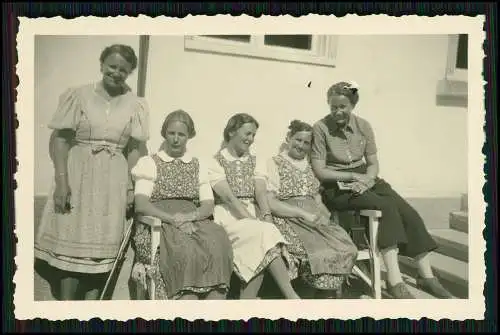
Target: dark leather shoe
pixel 399 291
pixel 433 287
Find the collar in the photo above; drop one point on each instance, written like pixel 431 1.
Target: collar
pixel 302 164
pixel 186 158
pixel 333 127
pixel 225 153
pixel 100 90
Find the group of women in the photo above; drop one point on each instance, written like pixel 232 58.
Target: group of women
pixel 236 213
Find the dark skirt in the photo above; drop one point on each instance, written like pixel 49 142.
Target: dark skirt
pixel 186 263
pixel 400 225
pixel 323 254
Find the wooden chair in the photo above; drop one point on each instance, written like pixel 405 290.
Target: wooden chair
pixel 370 253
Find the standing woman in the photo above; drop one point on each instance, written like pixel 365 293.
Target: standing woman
pixel 323 252
pixel 239 182
pixel 194 259
pixel 344 158
pixel 99 132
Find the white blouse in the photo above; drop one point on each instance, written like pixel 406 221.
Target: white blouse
pixel 145 174
pixel 216 172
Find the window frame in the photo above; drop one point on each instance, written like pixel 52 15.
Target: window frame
pixel 323 50
pixel 452 90
pixel 452 72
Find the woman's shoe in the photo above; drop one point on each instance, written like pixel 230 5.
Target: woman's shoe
pixel 399 291
pixel 433 287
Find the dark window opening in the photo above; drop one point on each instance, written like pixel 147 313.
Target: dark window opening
pixel 303 42
pixel 462 57
pixel 237 38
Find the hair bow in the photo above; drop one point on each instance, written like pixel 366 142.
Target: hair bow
pixel 354 85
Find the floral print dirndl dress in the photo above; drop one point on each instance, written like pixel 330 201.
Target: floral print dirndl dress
pixel 184 263
pixel 323 253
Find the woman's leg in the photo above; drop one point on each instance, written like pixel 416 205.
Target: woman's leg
pixel 93 294
pixel 424 265
pixel 419 245
pixel 390 257
pixel 93 285
pixel 69 285
pixel 279 272
pixel 391 231
pixel 421 242
pixel 427 281
pixel 251 289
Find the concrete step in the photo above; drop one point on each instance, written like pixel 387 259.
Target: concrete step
pixel 435 211
pixel 452 243
pixel 459 221
pixel 453 273
pixel 464 202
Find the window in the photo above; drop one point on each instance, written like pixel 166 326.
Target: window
pixel 308 49
pixel 453 89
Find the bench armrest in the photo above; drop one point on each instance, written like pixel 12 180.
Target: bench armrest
pixel 371 213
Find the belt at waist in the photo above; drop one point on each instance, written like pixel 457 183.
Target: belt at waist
pixel 101 146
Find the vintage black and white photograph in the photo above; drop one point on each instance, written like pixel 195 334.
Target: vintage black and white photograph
pixel 328 165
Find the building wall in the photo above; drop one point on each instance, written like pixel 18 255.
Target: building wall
pixel 422 146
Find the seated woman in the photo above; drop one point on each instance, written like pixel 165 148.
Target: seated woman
pixel 194 259
pixel 242 209
pixel 344 158
pixel 322 251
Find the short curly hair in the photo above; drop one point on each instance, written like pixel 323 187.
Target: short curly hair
pixel 298 126
pixel 126 51
pixel 346 89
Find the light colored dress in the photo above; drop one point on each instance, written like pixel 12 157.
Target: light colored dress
pixel 255 243
pixel 184 263
pixel 323 252
pixel 87 240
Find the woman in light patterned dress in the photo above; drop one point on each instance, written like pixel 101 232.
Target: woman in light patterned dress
pixel 98 133
pixel 322 251
pixel 242 209
pixel 194 260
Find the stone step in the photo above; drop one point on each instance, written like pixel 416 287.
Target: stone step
pixel 452 273
pixel 435 211
pixel 459 220
pixel 464 202
pixel 452 243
